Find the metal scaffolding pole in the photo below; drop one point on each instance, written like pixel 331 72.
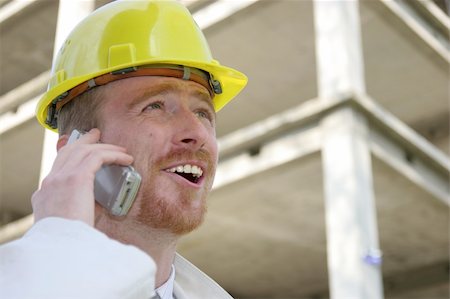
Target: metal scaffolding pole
pixel 354 258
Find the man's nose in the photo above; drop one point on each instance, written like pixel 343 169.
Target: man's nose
pixel 190 131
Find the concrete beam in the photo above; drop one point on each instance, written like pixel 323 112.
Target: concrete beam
pixel 13 8
pixel 270 154
pixel 435 16
pixel 408 139
pixel 390 139
pixel 11 100
pixel 406 151
pixel 410 166
pixel 22 114
pixel 424 32
pixel 254 135
pixel 218 11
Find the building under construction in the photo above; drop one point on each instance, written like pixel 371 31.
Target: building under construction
pixel 333 179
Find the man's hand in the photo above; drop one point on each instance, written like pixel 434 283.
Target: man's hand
pixel 68 190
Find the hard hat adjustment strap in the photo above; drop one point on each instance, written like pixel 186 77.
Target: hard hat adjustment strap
pixel 215 85
pixel 181 72
pixel 186 73
pixel 91 83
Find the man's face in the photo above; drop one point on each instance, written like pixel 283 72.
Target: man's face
pixel 168 126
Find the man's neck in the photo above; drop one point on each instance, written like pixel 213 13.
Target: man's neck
pixel 159 244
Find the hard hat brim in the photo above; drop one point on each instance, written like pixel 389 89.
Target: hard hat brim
pixel 231 80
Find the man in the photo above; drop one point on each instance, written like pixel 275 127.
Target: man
pixel 139 78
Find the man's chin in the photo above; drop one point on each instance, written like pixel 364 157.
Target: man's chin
pixel 178 219
pixel 175 224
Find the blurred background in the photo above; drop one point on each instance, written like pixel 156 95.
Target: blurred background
pixel 334 169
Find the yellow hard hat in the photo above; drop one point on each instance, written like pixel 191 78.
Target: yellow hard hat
pixel 135 38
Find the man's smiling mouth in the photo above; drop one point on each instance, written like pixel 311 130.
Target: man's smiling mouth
pixel 192 173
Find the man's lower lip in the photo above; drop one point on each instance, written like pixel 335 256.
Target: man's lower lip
pixel 186 181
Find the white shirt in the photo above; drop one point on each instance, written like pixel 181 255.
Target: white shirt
pixel 60 258
pixel 165 291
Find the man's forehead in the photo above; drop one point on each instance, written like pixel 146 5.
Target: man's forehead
pixel 148 85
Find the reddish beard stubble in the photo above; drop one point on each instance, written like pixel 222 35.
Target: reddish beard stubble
pixel 186 210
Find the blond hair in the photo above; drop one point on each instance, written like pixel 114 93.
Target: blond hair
pixel 81 112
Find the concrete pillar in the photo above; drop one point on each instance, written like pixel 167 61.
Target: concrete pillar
pixel 354 258
pixel 70 13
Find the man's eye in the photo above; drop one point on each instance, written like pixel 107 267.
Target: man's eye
pixel 155 105
pixel 204 114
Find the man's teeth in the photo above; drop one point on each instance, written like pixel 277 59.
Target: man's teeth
pixel 192 169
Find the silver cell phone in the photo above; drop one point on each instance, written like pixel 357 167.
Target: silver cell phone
pixel 115 186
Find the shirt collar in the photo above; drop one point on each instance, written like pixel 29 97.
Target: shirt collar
pixel 165 291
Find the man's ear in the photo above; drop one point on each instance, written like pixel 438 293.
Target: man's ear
pixel 62 141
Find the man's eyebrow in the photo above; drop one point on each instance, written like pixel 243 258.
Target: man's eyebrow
pixel 204 96
pixel 159 89
pixel 163 88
